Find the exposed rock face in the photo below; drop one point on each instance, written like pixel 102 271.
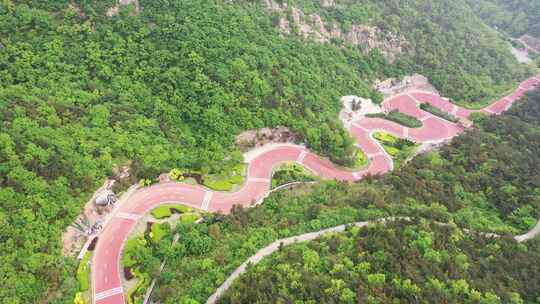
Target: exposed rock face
pixel 328 3
pixel 531 42
pixel 274 6
pixel 370 37
pixel 393 86
pixel 293 20
pixel 113 11
pixel 256 138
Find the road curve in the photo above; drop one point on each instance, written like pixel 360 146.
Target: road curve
pixel 274 246
pixel 107 287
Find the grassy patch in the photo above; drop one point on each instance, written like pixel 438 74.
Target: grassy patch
pixel 159 231
pixel 226 181
pixel 291 172
pixel 400 118
pixel 79 299
pixel 189 218
pixel 399 149
pixel 137 293
pixel 83 272
pixel 132 246
pixel 165 210
pixel 438 112
pixel 360 159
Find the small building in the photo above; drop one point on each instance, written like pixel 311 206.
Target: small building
pixel 105 198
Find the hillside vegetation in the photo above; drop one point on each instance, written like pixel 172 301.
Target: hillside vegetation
pixel 448 42
pixel 170 86
pixel 396 263
pixel 486 180
pixel 514 17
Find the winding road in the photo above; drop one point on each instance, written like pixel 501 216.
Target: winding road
pixel 106 273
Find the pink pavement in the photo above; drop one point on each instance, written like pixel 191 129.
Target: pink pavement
pixel 106 280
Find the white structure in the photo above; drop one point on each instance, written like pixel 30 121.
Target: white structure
pixel 105 198
pixel 364 107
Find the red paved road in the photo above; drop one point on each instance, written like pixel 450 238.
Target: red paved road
pixel 106 262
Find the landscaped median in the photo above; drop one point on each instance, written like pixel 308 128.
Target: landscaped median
pixel 140 261
pixel 398 117
pixel 83 296
pixel 399 149
pixel 226 180
pixel 291 172
pixel 438 112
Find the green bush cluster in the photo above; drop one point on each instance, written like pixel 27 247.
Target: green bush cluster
pixel 291 172
pixel 398 148
pixel 400 118
pixel 165 210
pixel 438 112
pixel 394 262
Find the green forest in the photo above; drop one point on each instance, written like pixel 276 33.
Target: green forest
pixel 486 180
pixel 513 17
pixel 397 262
pixel 171 86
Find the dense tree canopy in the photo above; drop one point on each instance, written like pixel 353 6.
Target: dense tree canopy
pixel 171 86
pixel 486 180
pixel 514 17
pixel 396 263
pixel 452 46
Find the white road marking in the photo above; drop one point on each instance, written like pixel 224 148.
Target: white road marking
pixel 301 156
pixel 128 216
pixel 206 200
pixel 425 117
pixel 489 110
pixel 360 127
pixel 455 109
pixel 108 293
pixel 509 104
pixel 372 155
pixel 258 180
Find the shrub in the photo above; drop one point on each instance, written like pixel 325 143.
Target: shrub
pixel 159 231
pixel 360 159
pixel 226 181
pixel 438 112
pixel 167 210
pixel 131 246
pixel 290 172
pixel 189 218
pixel 83 272
pixel 400 118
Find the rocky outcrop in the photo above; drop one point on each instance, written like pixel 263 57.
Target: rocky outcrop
pixel 328 3
pixel 293 20
pixel 531 42
pixel 113 11
pixel 255 138
pixel 394 86
pixel 274 6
